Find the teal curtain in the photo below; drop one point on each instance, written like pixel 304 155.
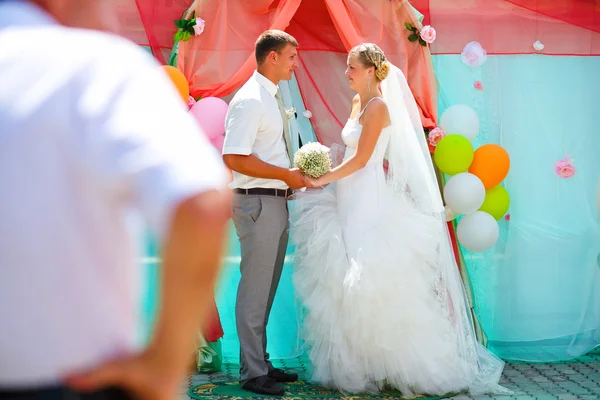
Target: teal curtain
pixel 537 293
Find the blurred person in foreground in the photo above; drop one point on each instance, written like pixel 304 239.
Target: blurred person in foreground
pixel 91 130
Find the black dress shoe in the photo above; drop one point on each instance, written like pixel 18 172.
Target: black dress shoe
pixel 281 376
pixel 264 385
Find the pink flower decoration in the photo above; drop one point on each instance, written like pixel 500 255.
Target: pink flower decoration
pixel 507 217
pixel 191 102
pixel 199 27
pixel 435 135
pixel 428 34
pixel 473 55
pixel 478 85
pixel 565 168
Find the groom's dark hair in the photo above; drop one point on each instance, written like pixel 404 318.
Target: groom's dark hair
pixel 272 40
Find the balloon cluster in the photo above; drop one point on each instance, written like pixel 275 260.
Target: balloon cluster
pixel 209 112
pixel 474 188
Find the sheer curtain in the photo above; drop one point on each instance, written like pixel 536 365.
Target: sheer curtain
pixel 537 292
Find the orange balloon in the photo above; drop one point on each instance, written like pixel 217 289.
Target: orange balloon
pixel 490 164
pixel 179 81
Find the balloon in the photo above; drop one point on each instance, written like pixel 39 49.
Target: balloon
pixel 460 120
pixel 178 80
pixel 478 231
pixel 210 114
pixel 218 142
pixel 496 202
pixel 491 164
pixel 453 154
pixel 464 193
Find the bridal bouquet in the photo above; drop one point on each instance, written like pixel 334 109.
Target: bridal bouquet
pixel 313 159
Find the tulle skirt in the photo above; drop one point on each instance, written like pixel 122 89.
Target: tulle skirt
pixel 377 310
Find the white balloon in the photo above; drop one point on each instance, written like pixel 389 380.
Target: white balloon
pixel 478 231
pixel 460 120
pixel 464 193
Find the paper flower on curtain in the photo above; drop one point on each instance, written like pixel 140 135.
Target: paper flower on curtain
pixel 291 112
pixel 473 55
pixel 435 135
pixel 478 85
pixel 538 46
pixel 565 168
pixel 199 27
pixel 187 28
pixel 507 217
pixel 425 36
pixel 428 34
pixel 307 114
pixel 191 102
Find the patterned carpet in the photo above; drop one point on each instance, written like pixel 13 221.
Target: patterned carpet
pixel 224 385
pixel 293 391
pixel 569 380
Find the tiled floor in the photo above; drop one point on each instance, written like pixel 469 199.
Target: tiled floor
pixel 578 379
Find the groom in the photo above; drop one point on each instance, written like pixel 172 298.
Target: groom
pixel 257 149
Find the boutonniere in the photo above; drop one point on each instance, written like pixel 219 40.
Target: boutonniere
pixel 291 112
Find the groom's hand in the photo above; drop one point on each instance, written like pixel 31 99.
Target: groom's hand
pixel 308 182
pixel 295 179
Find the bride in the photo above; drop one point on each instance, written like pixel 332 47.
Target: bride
pixel 383 301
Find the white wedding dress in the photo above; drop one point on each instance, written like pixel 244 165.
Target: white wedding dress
pixel 380 309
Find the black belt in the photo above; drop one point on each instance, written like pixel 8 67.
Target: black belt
pixel 265 192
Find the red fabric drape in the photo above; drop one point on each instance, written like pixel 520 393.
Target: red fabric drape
pixel 221 59
pixel 582 13
pixel 565 27
pixel 214 329
pixel 150 23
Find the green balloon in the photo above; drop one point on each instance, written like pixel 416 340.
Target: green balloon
pixel 496 202
pixel 453 154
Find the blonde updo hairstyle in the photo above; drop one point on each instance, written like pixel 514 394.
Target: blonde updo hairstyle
pixel 370 55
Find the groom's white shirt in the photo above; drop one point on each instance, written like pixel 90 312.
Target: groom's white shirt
pixel 254 125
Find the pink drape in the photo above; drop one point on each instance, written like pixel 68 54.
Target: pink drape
pixel 565 27
pixel 221 59
pixel 150 23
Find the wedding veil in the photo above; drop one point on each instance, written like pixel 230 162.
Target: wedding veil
pixel 412 180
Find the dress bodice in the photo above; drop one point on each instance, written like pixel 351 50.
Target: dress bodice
pixel 351 135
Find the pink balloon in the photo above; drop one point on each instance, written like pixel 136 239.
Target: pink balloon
pixel 210 113
pixel 218 142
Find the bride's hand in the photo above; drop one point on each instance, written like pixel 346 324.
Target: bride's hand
pixel 316 182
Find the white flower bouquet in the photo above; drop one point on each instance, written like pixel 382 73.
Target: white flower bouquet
pixel 313 159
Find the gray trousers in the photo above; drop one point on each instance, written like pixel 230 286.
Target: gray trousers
pixel 262 227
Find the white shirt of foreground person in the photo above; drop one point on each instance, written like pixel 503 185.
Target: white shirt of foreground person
pixel 89 129
pixel 254 125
